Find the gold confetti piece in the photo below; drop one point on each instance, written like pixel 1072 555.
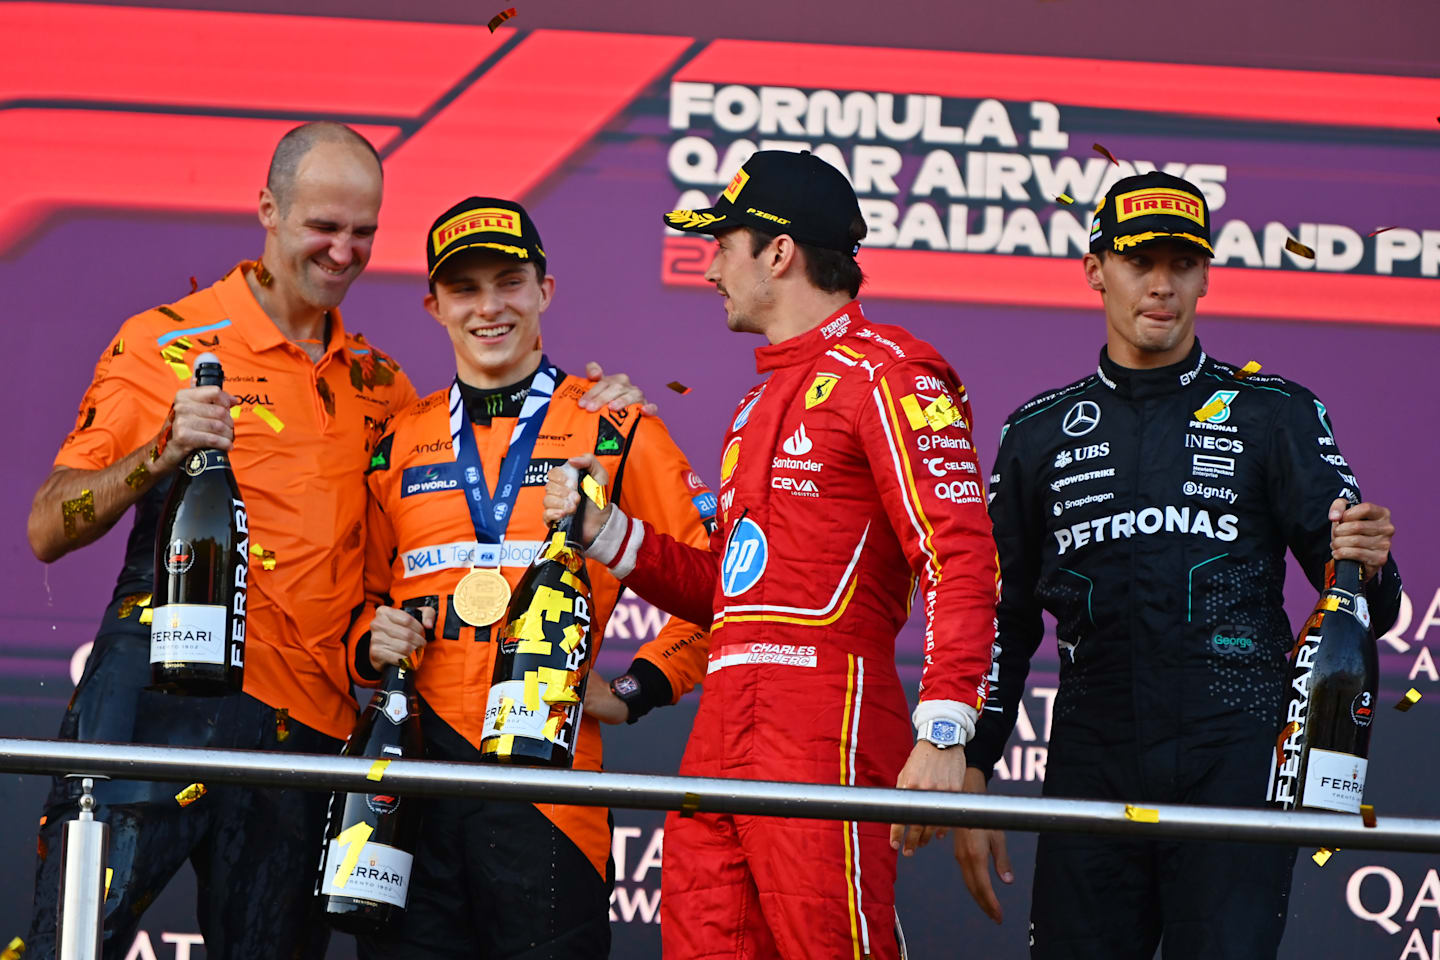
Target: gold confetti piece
pixel 557 685
pixel 678 387
pixel 282 724
pixel 82 508
pixel 532 690
pixel 571 640
pixel 540 647
pixel 505 705
pixel 190 794
pixel 1065 198
pixel 235 412
pixel 552 726
pixel 109 872
pixel 690 804
pixel 1142 814
pixel 1209 410
pixel 941 413
pixel 354 839
pixel 1100 149
pixel 1323 855
pixel 1285 733
pixel 1379 230
pixel 571 581
pixel 267 557
pixel 128 604
pixel 1299 249
pixel 377 770
pixel 16 948
pixel 500 18
pixel 119 347
pixel 272 421
pixel 136 478
pixel 147 615
pixel 1412 697
pixel 1330 603
pixel 594 492
pixel 1250 368
pixel 1367 814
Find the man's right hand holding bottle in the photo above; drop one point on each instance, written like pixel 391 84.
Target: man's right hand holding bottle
pixel 562 496
pixel 395 636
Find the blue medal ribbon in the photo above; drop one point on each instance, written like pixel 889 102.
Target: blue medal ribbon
pixel 489 514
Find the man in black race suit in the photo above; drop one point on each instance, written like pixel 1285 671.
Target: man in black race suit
pixel 1148 508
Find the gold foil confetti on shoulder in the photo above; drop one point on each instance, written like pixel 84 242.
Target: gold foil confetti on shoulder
pixel 1250 368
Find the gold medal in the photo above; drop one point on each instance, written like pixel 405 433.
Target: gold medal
pixel 481 596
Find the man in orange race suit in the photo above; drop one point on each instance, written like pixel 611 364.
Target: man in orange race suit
pixel 301 406
pixel 506 878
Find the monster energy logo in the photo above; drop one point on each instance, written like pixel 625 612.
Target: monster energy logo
pixel 493 404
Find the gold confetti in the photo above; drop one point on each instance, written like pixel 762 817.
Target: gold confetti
pixel 1141 814
pixel 1100 149
pixel 82 507
pixel 190 794
pixel 1065 198
pixel 282 724
pixel 678 387
pixel 147 615
pixel 267 557
pixel 1412 697
pixel 1323 855
pixel 690 804
pixel 354 839
pixel 532 690
pixel 272 421
pixel 1379 230
pixel 1367 814
pixel 235 412
pixel 109 873
pixel 594 492
pixel 553 725
pixel 377 770
pixel 16 948
pixel 136 478
pixel 1299 249
pixel 194 284
pixel 1250 368
pixel 505 704
pixel 119 347
pixel 1209 410
pixel 500 18
pixel 129 603
pixel 539 647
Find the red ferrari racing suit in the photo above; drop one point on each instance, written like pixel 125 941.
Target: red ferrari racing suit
pixel 846 477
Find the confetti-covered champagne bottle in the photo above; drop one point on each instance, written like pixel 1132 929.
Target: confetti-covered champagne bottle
pixel 202 543
pixel 1324 739
pixel 542 661
pixel 370 837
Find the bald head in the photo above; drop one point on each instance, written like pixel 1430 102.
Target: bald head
pixel 295 145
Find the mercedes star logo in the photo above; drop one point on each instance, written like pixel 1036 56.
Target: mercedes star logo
pixel 1081 418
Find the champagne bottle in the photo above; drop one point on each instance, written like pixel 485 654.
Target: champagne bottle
pixel 202 544
pixel 537 690
pixel 370 837
pixel 1320 753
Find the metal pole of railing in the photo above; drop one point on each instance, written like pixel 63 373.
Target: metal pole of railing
pixel 81 919
pixel 696 794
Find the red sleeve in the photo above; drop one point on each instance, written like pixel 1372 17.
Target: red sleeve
pixel 659 486
pixel 126 405
pixel 676 577
pixel 935 498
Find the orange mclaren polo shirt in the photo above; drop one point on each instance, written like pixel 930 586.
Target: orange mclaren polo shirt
pixel 303 433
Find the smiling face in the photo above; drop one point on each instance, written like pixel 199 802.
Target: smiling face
pixel 318 239
pixel 1150 294
pixel 490 304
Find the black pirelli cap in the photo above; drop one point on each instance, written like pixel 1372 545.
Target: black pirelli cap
pixel 1151 206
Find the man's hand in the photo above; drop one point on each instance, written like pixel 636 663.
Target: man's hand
pixel 1361 532
pixel 395 635
pixel 929 768
pixel 199 419
pixel 562 496
pixel 601 702
pixel 615 390
pixel 975 848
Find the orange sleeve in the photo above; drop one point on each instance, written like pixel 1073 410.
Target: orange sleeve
pixel 379 556
pixel 404 393
pixel 126 405
pixel 657 484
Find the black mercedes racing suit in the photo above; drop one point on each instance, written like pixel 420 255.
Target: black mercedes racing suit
pixel 1157 541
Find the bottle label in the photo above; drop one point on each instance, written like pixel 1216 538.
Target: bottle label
pixel 188 633
pixel 376 872
pixel 506 713
pixel 1334 781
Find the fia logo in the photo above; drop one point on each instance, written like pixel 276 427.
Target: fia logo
pixel 472 476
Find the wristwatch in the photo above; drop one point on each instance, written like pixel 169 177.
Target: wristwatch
pixel 627 688
pixel 942 733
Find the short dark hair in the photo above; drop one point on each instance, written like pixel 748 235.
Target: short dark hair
pixel 293 147
pixel 830 270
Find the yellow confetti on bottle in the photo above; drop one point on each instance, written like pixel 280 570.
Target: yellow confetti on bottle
pixel 377 770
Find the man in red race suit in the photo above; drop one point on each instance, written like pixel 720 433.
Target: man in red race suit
pixel 847 478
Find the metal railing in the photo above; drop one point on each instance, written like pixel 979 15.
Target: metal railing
pixel 692 795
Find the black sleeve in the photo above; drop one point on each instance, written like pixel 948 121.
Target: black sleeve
pixel 1018 538
pixel 1305 471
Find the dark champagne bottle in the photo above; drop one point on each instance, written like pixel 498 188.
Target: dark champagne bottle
pixel 370 837
pixel 202 544
pixel 537 690
pixel 1320 753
